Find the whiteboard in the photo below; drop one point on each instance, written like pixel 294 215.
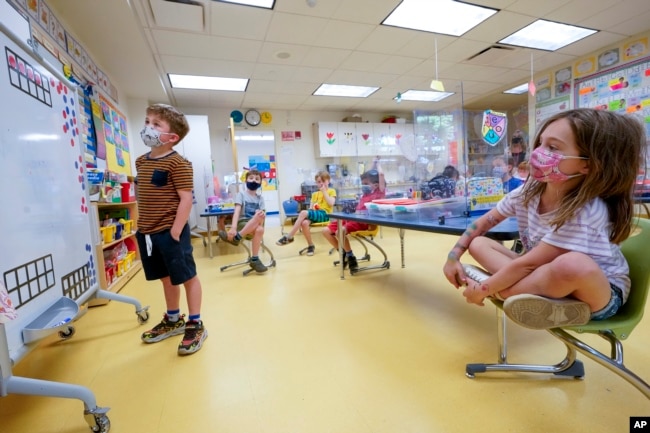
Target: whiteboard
pixel 47 240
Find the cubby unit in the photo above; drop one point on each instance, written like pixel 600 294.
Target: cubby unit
pixel 113 278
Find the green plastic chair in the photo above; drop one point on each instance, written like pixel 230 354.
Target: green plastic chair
pixel 614 329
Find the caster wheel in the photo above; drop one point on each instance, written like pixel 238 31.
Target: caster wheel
pixel 143 317
pixel 67 333
pixel 102 424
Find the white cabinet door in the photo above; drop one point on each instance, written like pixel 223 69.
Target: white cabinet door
pixel 347 138
pixel 366 140
pixel 328 139
pixel 385 139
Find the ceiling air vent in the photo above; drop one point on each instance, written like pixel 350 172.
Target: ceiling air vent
pixel 489 56
pixel 178 14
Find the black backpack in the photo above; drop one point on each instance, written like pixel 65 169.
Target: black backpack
pixel 441 187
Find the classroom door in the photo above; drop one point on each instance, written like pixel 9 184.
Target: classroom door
pixel 257 148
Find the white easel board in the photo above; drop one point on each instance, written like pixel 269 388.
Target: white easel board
pixel 47 245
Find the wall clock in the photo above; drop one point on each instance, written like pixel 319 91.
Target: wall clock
pixel 237 116
pixel 266 117
pixel 252 117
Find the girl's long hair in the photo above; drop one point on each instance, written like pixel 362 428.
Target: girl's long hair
pixel 615 147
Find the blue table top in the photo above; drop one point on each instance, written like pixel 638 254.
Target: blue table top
pixel 507 230
pixel 221 212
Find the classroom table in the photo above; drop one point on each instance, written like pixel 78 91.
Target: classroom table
pixel 504 231
pixel 216 213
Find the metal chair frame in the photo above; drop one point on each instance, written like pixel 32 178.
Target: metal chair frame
pixel 613 330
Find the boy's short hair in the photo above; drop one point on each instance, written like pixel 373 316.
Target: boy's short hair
pixel 176 119
pixel 254 172
pixel 451 171
pixel 324 175
pixel 371 175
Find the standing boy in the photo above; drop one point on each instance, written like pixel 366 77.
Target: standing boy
pixel 321 205
pixel 373 187
pixel 249 205
pixel 164 192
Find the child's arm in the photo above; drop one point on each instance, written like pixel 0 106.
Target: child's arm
pixel 380 172
pixel 452 269
pixel 329 199
pixel 182 213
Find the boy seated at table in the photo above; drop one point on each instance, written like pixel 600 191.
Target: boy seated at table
pixel 248 219
pixel 373 187
pixel 321 205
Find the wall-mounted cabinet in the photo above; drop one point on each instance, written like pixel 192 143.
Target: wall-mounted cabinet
pixel 334 139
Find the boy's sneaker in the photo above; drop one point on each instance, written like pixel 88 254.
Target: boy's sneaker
pixel 310 250
pixel 258 266
pixel 284 241
pixel 475 273
pixel 352 263
pixel 164 329
pixel 224 237
pixel 195 334
pixel 538 312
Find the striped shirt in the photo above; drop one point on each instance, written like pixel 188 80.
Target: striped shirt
pixel 158 181
pixel 587 232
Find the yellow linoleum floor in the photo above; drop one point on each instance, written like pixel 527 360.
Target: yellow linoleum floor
pixel 297 350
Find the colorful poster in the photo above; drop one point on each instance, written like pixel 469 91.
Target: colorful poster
pixel 494 127
pixel 624 89
pixel 635 49
pixel 114 136
pixel 266 165
pixel 545 110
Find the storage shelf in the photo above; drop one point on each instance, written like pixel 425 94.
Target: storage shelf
pixel 100 209
pixel 117 241
pixel 118 283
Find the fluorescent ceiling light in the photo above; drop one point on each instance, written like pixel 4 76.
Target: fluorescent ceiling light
pixel 547 35
pixel 343 90
pixel 208 83
pixel 424 95
pixel 268 4
pixel 447 17
pixel 522 88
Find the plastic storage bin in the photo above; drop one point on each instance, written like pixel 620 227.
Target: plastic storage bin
pixel 450 207
pixel 108 234
pixel 407 213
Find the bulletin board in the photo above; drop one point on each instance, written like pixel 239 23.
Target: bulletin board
pixel 624 89
pixel 112 137
pixel 47 245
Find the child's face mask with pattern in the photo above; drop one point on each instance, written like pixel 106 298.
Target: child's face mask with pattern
pixel 151 137
pixel 545 166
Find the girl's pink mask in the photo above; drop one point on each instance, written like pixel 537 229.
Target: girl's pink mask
pixel 545 166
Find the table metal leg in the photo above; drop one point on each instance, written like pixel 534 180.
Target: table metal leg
pixel 401 243
pixel 210 236
pixel 341 237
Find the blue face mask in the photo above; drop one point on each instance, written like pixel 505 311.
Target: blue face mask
pixel 498 171
pixel 253 186
pixel 366 189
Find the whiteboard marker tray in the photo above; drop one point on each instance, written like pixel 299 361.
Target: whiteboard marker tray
pixel 56 318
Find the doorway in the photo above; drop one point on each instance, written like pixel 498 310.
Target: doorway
pixel 257 148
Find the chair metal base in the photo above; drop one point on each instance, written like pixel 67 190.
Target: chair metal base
pixel 569 366
pixel 366 255
pixel 270 264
